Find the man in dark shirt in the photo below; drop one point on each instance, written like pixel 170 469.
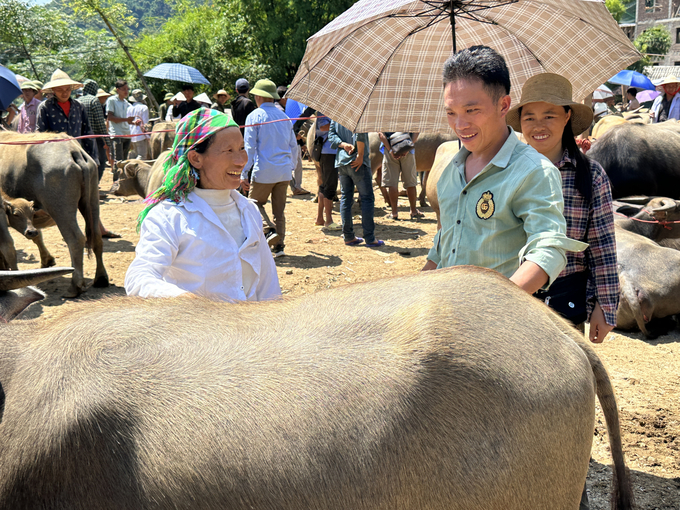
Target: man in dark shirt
pixel 189 105
pixel 61 114
pixel 241 107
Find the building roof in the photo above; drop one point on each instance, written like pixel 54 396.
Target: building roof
pixel 660 72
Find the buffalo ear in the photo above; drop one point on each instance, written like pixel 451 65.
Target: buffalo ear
pixel 40 214
pixel 8 207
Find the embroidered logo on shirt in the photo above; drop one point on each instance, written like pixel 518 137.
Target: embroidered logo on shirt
pixel 485 206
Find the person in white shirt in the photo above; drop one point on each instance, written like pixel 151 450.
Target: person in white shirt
pixel 667 105
pixel 198 235
pixel 138 110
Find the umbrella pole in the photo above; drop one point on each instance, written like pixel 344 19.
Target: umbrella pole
pixel 452 15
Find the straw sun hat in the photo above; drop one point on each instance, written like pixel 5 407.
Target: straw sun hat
pixel 59 79
pixel 102 93
pixel 554 89
pixel 221 92
pixel 668 80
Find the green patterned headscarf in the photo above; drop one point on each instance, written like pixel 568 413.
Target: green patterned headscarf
pixel 180 176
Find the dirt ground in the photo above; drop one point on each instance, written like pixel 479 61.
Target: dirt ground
pixel 645 374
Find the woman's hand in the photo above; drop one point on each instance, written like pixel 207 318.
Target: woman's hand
pixel 598 325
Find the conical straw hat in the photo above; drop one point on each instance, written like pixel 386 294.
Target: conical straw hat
pixel 59 79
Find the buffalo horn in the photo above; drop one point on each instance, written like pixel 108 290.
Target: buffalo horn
pixel 667 204
pixel 10 280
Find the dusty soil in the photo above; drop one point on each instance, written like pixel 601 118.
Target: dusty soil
pixel 646 374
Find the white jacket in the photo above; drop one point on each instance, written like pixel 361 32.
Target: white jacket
pixel 185 248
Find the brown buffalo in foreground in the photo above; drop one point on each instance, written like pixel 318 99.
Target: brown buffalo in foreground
pixel 449 390
pixel 60 179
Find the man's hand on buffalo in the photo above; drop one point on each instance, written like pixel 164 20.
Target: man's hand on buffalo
pixel 429 266
pixel 598 325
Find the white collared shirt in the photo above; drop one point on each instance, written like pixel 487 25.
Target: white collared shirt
pixel 185 248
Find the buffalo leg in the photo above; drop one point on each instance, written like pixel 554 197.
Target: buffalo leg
pixel 423 185
pixel 46 258
pixel 89 208
pixel 67 223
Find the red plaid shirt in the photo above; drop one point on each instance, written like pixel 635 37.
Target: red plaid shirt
pixel 594 225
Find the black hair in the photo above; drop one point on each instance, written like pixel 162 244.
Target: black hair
pixel 204 145
pixel 481 63
pixel 187 86
pixel 583 180
pixel 632 90
pixel 281 90
pixel 120 83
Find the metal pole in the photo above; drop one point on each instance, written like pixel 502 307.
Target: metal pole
pixel 453 25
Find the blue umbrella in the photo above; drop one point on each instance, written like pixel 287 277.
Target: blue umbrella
pixel 632 79
pixel 9 87
pixel 177 72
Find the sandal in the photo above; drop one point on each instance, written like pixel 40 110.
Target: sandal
pixel 301 191
pixel 354 242
pixel 376 244
pixel 417 215
pixel 333 227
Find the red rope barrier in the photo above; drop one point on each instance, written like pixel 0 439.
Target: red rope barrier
pixel 664 224
pixel 85 137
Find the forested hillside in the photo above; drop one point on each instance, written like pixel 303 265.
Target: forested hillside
pixel 224 39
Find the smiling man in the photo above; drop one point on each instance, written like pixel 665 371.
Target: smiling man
pixel 500 200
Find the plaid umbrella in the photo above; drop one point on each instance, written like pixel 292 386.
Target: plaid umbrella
pixel 378 65
pixel 177 72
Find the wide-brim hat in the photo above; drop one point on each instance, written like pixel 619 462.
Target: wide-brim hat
pixel 668 80
pixel 168 96
pixel 221 92
pixel 554 89
pixel 138 95
pixel 59 79
pixel 102 93
pixel 28 84
pixel 265 88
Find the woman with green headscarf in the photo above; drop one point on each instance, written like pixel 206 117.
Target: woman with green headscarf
pixel 197 234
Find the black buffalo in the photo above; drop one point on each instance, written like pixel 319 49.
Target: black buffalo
pixel 641 159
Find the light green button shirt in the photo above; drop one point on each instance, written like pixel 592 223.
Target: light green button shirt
pixel 508 213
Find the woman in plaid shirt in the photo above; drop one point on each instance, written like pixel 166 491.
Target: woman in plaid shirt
pixel 588 288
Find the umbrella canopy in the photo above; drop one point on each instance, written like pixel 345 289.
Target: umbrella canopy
pixel 632 79
pixel 177 72
pixel 602 92
pixel 647 95
pixel 9 87
pixel 378 65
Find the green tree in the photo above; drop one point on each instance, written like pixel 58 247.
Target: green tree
pixel 654 41
pixel 616 8
pixel 117 19
pixel 212 40
pixel 279 29
pixel 28 32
